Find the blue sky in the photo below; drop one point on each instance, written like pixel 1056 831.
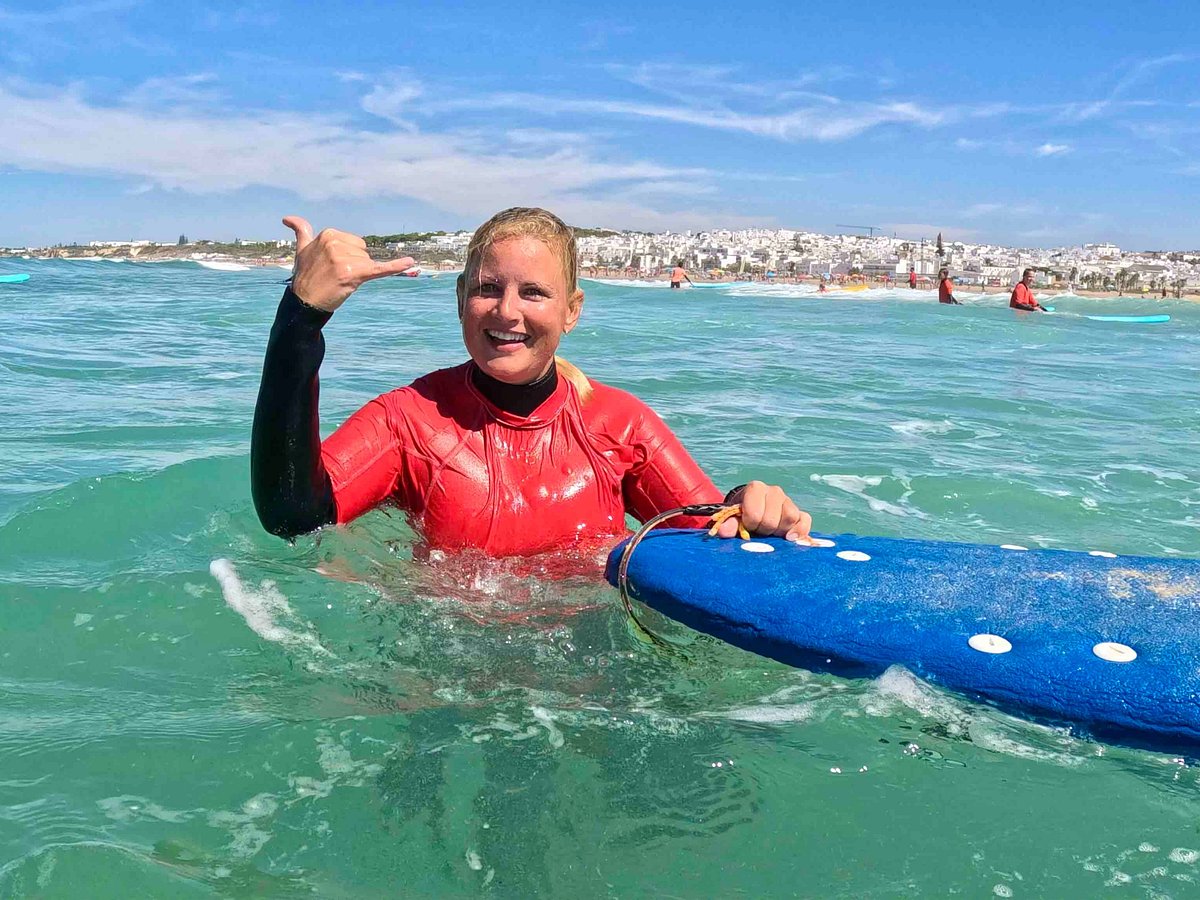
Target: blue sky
pixel 1033 124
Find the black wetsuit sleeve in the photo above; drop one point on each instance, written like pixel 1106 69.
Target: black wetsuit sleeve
pixel 291 489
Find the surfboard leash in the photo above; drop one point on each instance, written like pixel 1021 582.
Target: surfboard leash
pixel 719 513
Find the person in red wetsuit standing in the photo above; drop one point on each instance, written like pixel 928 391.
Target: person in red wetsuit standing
pixel 946 288
pixel 678 274
pixel 514 452
pixel 1022 295
pixel 912 278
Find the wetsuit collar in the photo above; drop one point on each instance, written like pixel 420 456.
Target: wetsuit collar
pixel 519 404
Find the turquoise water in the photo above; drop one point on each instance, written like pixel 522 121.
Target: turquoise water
pixel 189 707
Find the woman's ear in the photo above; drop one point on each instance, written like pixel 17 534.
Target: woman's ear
pixel 574 308
pixel 460 288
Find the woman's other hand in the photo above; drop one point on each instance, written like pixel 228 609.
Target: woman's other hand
pixel 767 511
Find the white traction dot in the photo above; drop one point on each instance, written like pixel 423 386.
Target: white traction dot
pixel 821 542
pixel 757 547
pixel 1012 547
pixel 1111 651
pixel 1103 553
pixel 853 556
pixel 989 643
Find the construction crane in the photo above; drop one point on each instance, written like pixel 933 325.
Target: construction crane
pixel 869 229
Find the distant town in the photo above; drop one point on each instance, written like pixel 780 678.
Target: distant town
pixel 746 254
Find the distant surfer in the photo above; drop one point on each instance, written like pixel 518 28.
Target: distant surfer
pixel 514 452
pixel 1022 296
pixel 946 288
pixel 679 275
pixel 912 277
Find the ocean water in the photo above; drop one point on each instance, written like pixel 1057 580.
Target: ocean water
pixel 190 707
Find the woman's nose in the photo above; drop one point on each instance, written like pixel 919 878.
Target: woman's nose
pixel 506 307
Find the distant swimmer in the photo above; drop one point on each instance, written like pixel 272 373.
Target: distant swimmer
pixel 912 278
pixel 678 274
pixel 823 289
pixel 946 288
pixel 1022 295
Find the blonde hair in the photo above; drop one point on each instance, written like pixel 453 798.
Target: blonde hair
pixel 545 226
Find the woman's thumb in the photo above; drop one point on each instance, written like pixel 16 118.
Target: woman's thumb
pixel 304 231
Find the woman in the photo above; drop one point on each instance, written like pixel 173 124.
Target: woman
pixel 514 452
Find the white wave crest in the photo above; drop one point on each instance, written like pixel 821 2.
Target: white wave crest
pixel 223 266
pixel 858 484
pixel 262 608
pixel 918 427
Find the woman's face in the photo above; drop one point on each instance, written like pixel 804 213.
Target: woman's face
pixel 515 309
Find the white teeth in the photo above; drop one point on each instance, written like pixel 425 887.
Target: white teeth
pixel 506 335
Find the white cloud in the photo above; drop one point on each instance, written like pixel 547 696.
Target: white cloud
pixel 182 90
pixel 323 157
pixel 393 98
pixel 1049 149
pixel 817 123
pixel 66 14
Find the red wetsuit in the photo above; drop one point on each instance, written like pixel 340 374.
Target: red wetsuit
pixel 1022 298
pixel 912 279
pixel 561 474
pixel 472 475
pixel 946 291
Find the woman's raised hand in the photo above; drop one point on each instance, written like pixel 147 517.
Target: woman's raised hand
pixel 334 264
pixel 767 510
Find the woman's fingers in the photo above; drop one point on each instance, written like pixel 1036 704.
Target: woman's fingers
pixel 728 528
pixel 753 502
pixel 800 528
pixel 302 228
pixel 391 267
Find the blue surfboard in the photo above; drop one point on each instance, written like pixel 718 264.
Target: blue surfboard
pixel 13 279
pixel 1139 320
pixel 1109 643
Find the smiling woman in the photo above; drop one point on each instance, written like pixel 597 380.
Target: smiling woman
pixel 499 453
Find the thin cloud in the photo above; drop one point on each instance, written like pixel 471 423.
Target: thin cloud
pixel 393 99
pixel 599 32
pixel 997 210
pixel 193 91
pixel 695 84
pixel 813 123
pixel 1010 147
pixel 1082 112
pixel 66 14
pixel 321 157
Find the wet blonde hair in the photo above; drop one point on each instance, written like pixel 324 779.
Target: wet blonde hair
pixel 545 226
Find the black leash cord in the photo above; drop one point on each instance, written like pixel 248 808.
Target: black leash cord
pixel 706 509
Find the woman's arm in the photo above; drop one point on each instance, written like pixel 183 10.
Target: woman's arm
pixel 293 493
pixel 291 489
